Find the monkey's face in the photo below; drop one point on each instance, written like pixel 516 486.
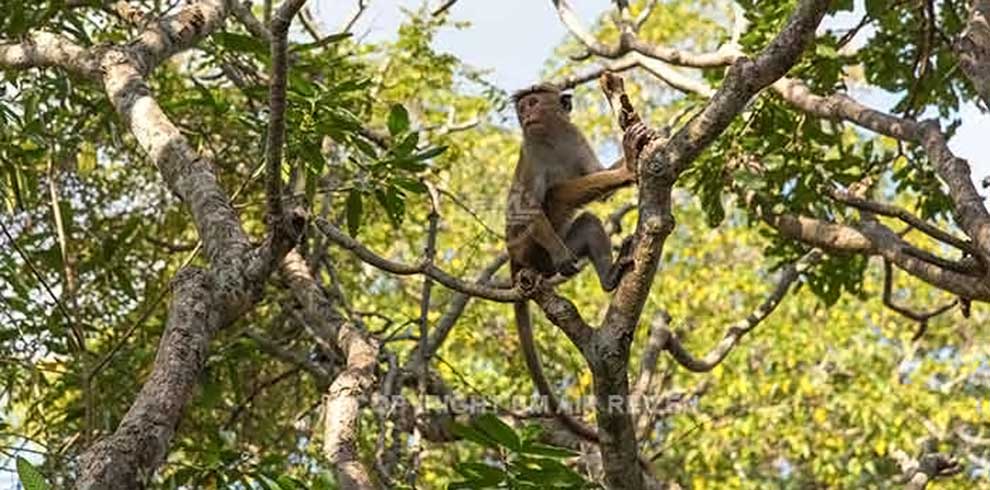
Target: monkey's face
pixel 540 112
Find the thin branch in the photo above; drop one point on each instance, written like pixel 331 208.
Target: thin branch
pixel 644 14
pixel 655 343
pixel 243 14
pixel 443 8
pixel 902 214
pixel 359 10
pixel 277 105
pixel 921 317
pixel 77 333
pixel 309 23
pixel 789 274
pixel 429 255
pixel 264 385
pixel 298 359
pixel 454 311
pixel 337 236
pixel 616 66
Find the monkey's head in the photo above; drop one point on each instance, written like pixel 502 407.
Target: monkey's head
pixel 542 109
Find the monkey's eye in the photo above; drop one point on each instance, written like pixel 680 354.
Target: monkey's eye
pixel 565 102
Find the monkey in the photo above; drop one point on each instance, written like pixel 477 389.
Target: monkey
pixel 558 173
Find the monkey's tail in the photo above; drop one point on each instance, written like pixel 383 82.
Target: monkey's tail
pixel 525 327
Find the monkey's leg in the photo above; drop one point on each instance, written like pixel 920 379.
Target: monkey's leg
pixel 541 231
pixel 587 238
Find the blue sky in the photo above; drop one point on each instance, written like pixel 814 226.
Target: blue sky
pixel 514 38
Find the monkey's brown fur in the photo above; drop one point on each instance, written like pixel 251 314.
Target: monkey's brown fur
pixel 557 174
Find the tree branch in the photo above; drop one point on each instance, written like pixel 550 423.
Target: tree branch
pixel 735 332
pixel 363 253
pixel 902 214
pixel 873 238
pixel 351 388
pixel 276 124
pixel 920 317
pixel 46 50
pixel 973 48
pixel 128 458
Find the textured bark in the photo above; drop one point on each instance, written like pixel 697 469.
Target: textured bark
pixel 44 49
pixel 660 165
pixel 185 172
pixel 126 459
pixel 608 358
pixel 974 49
pixel 873 238
pixel 204 301
pixel 351 388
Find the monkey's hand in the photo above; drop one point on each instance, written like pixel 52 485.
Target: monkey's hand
pixel 566 264
pixel 634 140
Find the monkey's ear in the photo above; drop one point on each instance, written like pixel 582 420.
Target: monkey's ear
pixel 565 102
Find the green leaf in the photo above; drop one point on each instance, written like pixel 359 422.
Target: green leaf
pixel 394 202
pixel 480 475
pixel 31 478
pixel 354 212
pixel 498 431
pixel 411 185
pixel 398 120
pixel 538 449
pixel 430 153
pixel 407 146
pixel 242 43
pixel 473 435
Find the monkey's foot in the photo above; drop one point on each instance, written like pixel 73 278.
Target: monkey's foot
pixel 622 263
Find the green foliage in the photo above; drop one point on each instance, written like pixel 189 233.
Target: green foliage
pixel 31 478
pixel 819 396
pixel 521 461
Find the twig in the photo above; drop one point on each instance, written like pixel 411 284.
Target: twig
pixel 921 317
pixel 76 331
pixel 443 8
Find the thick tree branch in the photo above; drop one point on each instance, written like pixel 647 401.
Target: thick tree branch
pixel 352 386
pixel 902 214
pixel 873 238
pixel 954 171
pixel 660 164
pixel 176 33
pixel 128 458
pixel 47 50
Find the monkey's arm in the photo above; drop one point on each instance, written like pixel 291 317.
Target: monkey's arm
pixel 580 191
